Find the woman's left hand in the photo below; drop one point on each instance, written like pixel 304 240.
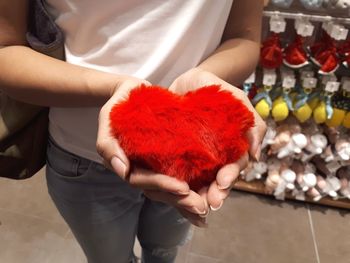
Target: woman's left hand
pixel 219 190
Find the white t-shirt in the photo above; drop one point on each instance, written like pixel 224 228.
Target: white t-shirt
pixel 156 40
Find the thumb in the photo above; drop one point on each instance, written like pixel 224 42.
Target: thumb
pixel 113 156
pixel 108 147
pixel 255 136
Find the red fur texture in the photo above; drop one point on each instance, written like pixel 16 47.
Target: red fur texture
pixel 189 137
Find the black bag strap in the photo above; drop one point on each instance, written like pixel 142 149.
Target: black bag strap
pixel 43 35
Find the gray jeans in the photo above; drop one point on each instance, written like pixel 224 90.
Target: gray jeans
pixel 105 213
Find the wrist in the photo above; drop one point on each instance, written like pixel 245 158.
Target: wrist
pixel 102 85
pixel 194 75
pixel 197 72
pixel 193 79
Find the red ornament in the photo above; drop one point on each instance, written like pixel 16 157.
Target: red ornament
pixel 271 55
pixel 344 52
pixel 295 55
pixel 328 60
pixel 189 137
pixel 324 54
pixel 321 45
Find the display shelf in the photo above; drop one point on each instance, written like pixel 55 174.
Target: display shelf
pixel 258 187
pixel 316 18
pixel 317 13
pixel 280 27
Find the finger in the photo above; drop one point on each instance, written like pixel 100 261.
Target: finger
pixel 173 86
pixel 192 202
pixel 219 190
pixel 107 165
pixel 217 196
pixel 257 133
pixel 255 136
pixel 148 180
pixel 106 145
pixel 229 173
pixel 109 149
pixel 194 219
pixel 122 91
pixel 203 193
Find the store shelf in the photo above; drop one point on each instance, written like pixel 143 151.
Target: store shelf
pixel 316 18
pixel 258 187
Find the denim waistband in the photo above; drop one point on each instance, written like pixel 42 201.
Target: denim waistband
pixel 66 158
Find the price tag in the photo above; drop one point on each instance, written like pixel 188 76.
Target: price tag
pixel 327 78
pixel 332 86
pixel 288 82
pixel 277 24
pixel 250 79
pixel 304 28
pixel 338 32
pixel 306 74
pixel 287 73
pixel 309 83
pixel 269 78
pixel 326 25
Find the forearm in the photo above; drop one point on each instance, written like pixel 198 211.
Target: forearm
pixel 233 61
pixel 29 76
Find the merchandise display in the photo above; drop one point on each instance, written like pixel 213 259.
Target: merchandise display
pixel 302 90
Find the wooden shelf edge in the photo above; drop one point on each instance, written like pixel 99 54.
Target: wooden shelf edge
pixel 257 187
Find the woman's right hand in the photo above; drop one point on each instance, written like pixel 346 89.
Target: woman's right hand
pixel 158 187
pixel 107 146
pixel 169 190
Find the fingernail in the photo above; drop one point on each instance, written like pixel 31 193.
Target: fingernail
pixel 205 214
pixel 257 153
pixel 118 166
pixel 180 192
pixel 195 210
pixel 217 208
pixel 226 183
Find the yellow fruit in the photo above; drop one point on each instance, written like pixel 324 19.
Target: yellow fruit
pixel 280 109
pixel 313 103
pixel 320 115
pixel 346 121
pixel 303 113
pixel 337 118
pixel 263 108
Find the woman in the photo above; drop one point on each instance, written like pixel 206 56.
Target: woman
pixel 112 47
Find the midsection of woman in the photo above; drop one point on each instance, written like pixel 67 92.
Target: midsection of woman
pixel 156 40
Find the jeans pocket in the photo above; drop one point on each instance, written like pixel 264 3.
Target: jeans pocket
pixel 66 164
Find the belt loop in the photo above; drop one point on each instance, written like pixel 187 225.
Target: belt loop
pixel 75 165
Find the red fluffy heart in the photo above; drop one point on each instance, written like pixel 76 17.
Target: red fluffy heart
pixel 189 137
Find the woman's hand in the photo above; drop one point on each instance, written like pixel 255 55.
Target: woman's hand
pixel 157 187
pixel 107 146
pixel 220 189
pixel 169 190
